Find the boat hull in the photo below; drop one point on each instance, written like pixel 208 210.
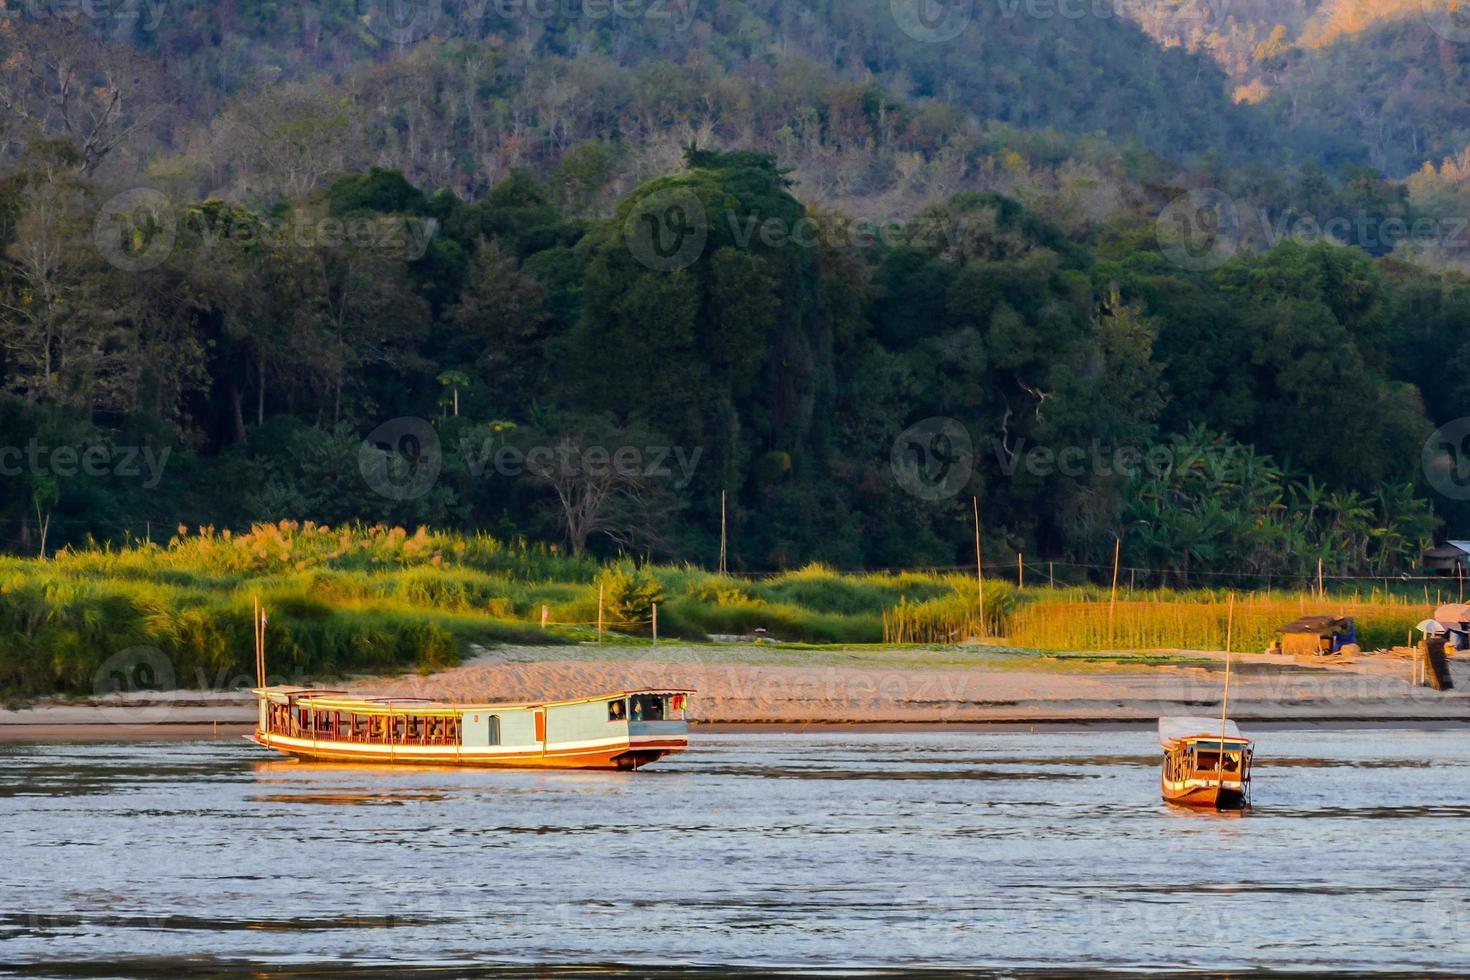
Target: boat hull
pixel 1197 794
pixel 617 754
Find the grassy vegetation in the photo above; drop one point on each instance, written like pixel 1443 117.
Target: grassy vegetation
pixel 379 599
pixel 1085 618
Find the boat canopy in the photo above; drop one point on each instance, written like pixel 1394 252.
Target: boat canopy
pixel 322 700
pixel 1173 729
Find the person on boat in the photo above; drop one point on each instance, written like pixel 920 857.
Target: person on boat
pixel 637 709
pixel 615 711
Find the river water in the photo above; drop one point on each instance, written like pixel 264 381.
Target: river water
pixel 995 851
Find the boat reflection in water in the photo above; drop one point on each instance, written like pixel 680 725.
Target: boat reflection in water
pixel 1207 764
pixel 622 731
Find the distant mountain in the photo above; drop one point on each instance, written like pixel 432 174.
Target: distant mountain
pixel 862 99
pixel 1380 83
pixel 875 108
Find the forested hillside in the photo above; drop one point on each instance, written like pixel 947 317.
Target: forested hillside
pixel 266 262
pixel 1378 83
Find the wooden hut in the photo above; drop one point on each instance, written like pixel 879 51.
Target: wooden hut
pixel 1451 559
pixel 1317 636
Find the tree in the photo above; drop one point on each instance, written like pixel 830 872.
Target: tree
pixel 286 139
pixel 500 319
pixel 357 310
pixel 603 481
pixel 59 81
pixel 62 344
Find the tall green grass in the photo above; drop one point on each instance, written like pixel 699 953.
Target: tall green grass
pixel 380 599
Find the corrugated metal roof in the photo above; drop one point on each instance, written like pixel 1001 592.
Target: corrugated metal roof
pixel 343 701
pixel 1173 729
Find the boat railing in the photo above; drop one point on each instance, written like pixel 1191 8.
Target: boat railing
pixel 365 729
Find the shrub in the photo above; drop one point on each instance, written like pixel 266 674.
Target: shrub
pixel 628 595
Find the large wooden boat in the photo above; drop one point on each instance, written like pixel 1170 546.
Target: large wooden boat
pixel 622 731
pixel 1207 764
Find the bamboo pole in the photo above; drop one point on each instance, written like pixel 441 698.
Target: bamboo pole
pixel 545 616
pixel 724 531
pixel 1230 627
pixel 980 569
pixel 260 667
pixel 655 624
pixel 1113 604
pixel 1020 569
pixel 601 590
pixel 1224 718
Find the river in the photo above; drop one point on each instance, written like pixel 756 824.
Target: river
pixel 987 850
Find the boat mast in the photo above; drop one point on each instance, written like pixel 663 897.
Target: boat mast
pixel 1224 720
pixel 259 627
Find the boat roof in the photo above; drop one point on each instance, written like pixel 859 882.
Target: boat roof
pixel 343 701
pixel 1176 729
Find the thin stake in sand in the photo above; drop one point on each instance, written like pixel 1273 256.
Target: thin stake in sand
pixel 1113 603
pixel 980 568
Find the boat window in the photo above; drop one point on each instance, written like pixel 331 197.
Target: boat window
pixel 617 711
pixel 1210 761
pixel 494 730
pixel 646 707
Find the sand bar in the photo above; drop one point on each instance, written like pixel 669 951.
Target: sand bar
pixel 867 687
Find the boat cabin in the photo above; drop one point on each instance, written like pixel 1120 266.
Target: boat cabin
pixel 615 731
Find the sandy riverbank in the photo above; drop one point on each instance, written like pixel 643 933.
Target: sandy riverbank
pixel 866 687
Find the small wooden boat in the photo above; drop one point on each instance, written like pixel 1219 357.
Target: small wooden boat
pixel 623 731
pixel 1207 764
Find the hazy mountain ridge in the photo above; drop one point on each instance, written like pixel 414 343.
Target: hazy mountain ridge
pixel 856 106
pixel 1346 82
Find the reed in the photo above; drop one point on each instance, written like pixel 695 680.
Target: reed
pixel 1199 622
pixel 955 617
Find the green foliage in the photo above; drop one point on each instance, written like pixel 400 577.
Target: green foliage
pixel 629 594
pixel 1211 502
pixel 378 191
pixel 777 369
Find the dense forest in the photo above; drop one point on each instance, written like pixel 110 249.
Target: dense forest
pixel 578 280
